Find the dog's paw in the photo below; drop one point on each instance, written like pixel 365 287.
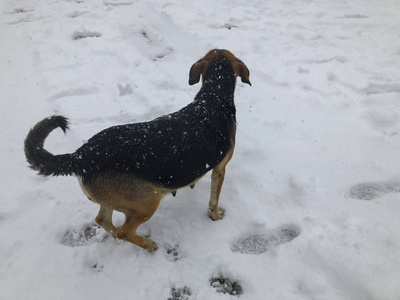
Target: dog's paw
pixel 138 240
pixel 216 215
pixel 183 293
pixel 261 243
pixel 151 246
pixel 372 190
pixel 173 253
pixel 226 286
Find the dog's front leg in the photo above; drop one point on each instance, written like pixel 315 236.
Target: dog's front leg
pixel 217 178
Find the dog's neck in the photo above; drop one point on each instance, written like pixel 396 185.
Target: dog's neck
pixel 219 83
pixel 217 91
pixel 220 77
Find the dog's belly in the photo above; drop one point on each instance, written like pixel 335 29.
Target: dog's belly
pixel 117 190
pixel 84 190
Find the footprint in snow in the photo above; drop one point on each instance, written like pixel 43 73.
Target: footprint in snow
pixel 124 90
pixel 19 11
pixel 159 47
pixel 97 267
pixel 78 35
pixel 162 53
pixel 226 285
pixel 116 3
pixel 25 19
pixel 354 16
pixel 77 14
pixel 24 15
pixel 372 190
pixel 262 242
pixel 183 293
pixel 173 253
pixel 84 236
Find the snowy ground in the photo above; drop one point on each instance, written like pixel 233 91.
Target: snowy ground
pixel 312 192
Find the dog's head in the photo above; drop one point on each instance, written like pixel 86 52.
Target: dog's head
pixel 200 67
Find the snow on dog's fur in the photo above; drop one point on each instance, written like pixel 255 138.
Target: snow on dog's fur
pixel 130 167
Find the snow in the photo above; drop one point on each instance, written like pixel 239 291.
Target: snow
pixel 311 194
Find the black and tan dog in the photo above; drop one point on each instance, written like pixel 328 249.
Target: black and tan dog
pixel 129 168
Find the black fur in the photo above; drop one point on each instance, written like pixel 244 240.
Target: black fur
pixel 38 157
pixel 173 150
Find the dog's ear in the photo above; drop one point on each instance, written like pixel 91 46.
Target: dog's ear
pixel 242 71
pixel 196 70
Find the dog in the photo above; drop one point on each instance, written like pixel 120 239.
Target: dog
pixel 129 168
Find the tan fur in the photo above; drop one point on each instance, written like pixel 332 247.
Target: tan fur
pixel 136 198
pixel 201 65
pixel 139 199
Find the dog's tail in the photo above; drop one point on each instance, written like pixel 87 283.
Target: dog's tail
pixel 39 158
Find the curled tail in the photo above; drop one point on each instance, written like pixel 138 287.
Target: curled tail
pixel 39 158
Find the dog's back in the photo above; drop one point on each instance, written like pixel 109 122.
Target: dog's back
pixel 173 150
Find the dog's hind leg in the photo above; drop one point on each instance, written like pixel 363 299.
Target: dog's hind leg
pixel 138 213
pixel 104 219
